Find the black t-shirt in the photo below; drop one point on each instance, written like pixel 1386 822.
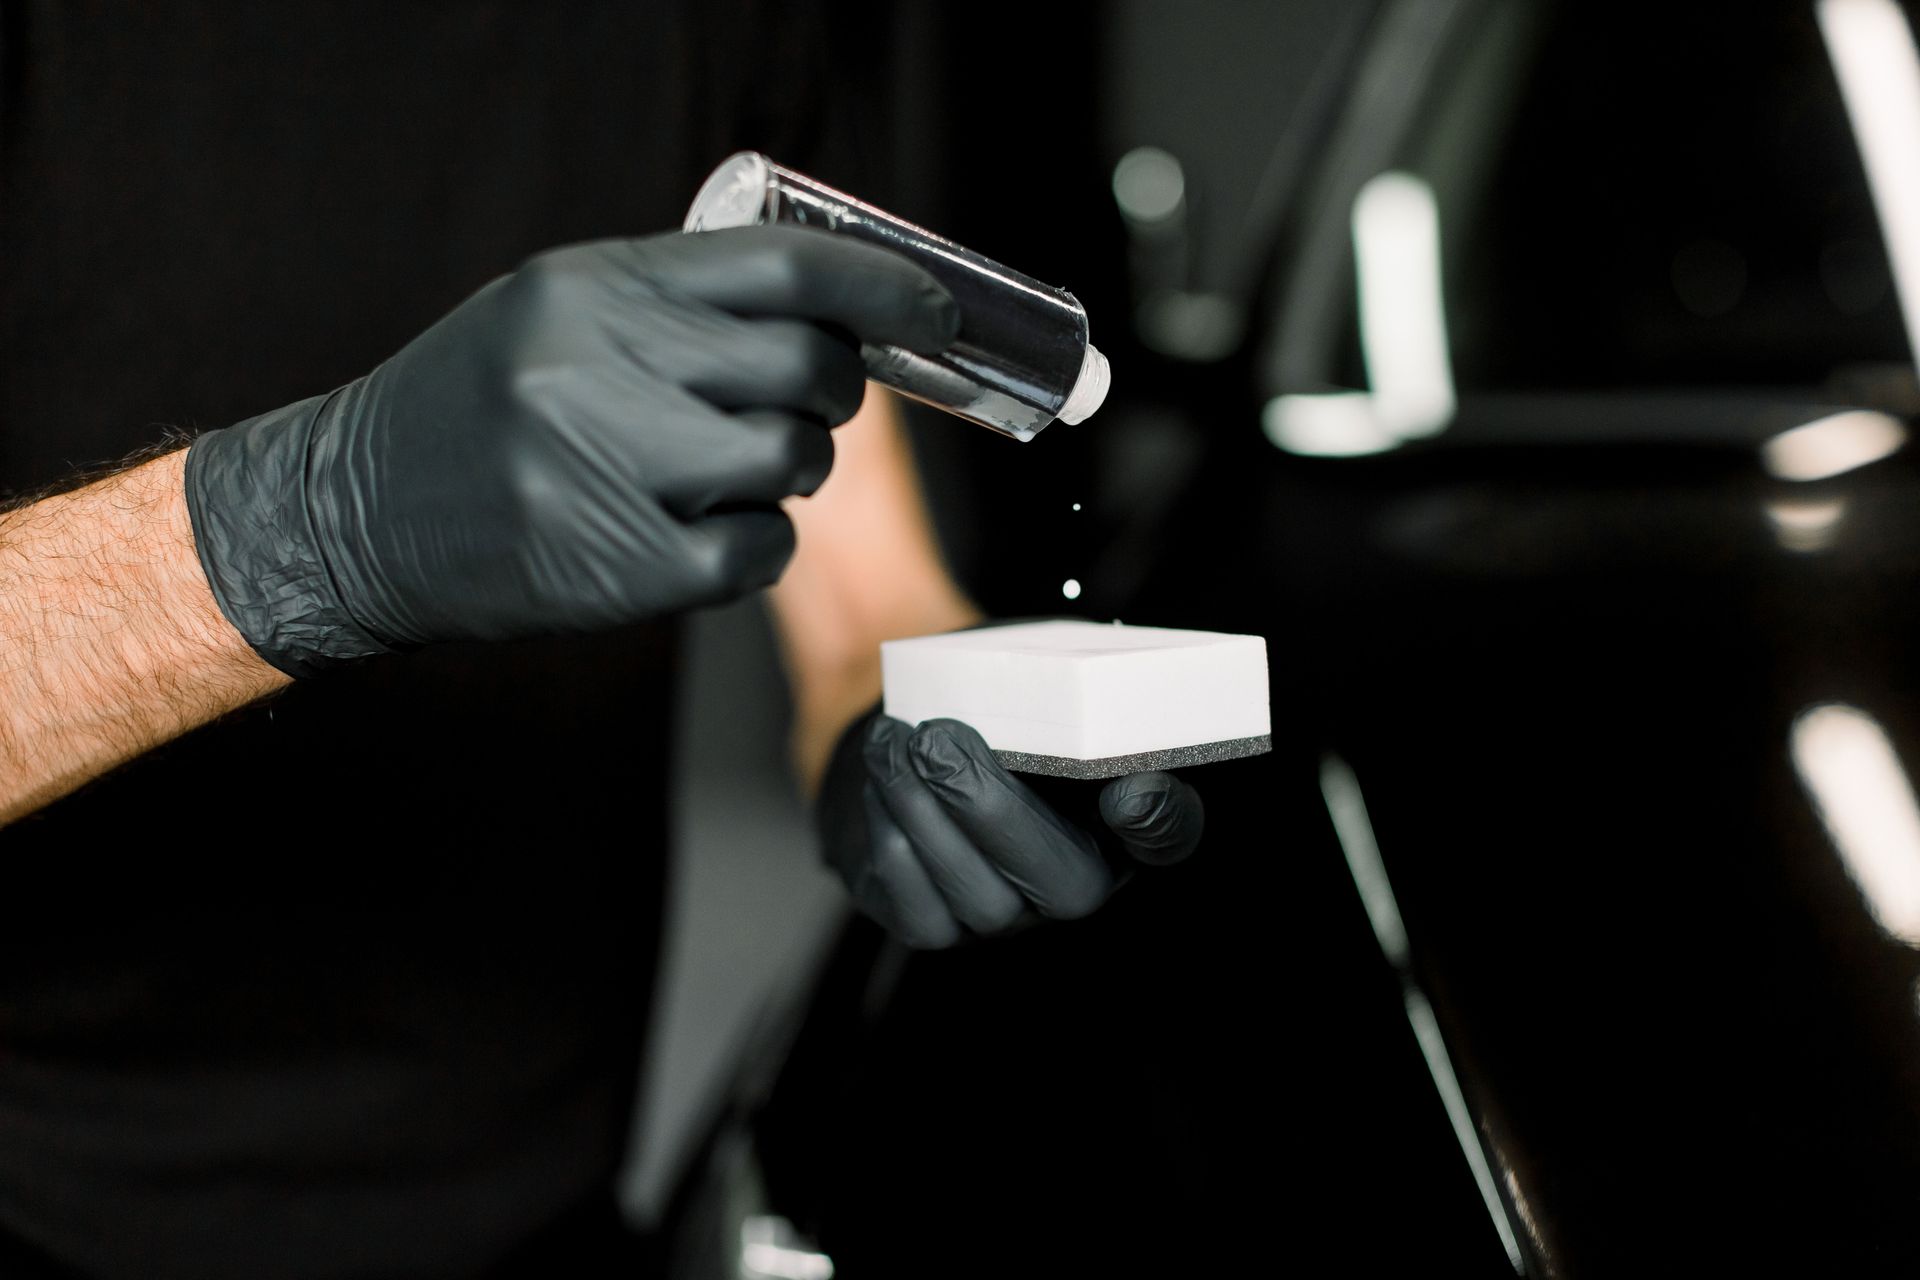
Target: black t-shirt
pixel 352 982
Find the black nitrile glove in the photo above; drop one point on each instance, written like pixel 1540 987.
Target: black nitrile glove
pixel 937 842
pixel 599 438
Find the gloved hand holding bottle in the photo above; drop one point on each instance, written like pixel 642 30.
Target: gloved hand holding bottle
pixel 938 842
pixel 598 438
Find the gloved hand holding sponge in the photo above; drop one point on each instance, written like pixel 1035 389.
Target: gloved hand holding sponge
pixel 601 437
pixel 938 842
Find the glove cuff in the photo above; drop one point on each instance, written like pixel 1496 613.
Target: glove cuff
pixel 247 497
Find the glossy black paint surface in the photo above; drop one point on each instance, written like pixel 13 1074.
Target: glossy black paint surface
pixel 1567 693
pixel 1563 649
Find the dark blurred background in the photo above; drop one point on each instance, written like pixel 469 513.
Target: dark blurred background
pixel 1534 377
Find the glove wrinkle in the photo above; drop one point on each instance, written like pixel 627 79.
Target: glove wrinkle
pixel 900 886
pixel 977 894
pixel 246 491
pixel 1156 817
pixel 939 760
pixel 1141 808
pixel 1054 863
pixel 881 758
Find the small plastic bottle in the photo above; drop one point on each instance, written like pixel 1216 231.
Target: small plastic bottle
pixel 1022 358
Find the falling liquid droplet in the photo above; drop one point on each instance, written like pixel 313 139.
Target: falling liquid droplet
pixel 1070 588
pixel 1076 506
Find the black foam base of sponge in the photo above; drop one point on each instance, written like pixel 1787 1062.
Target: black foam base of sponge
pixel 1139 762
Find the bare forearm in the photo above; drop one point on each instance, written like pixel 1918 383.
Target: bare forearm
pixel 868 569
pixel 110 641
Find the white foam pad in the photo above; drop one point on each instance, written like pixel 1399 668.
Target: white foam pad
pixel 1083 690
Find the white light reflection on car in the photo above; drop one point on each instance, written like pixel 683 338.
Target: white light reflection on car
pixel 1149 185
pixel 1806 524
pixel 1403 334
pixel 1403 323
pixel 1341 424
pixel 1864 796
pixel 1874 57
pixel 1340 789
pixel 1833 445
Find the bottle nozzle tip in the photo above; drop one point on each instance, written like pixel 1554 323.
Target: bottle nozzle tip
pixel 1089 389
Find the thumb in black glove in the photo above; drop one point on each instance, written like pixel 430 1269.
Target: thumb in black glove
pixel 937 841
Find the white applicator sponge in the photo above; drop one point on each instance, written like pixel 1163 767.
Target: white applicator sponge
pixel 1085 699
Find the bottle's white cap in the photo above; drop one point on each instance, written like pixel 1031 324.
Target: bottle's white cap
pixel 1089 389
pixel 736 194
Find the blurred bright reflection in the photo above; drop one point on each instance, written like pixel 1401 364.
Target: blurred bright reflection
pixel 1340 425
pixel 1149 185
pixel 1879 70
pixel 1806 524
pixel 770 1249
pixel 1403 328
pixel 1848 765
pixel 1833 445
pixel 1347 808
pixel 1403 335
